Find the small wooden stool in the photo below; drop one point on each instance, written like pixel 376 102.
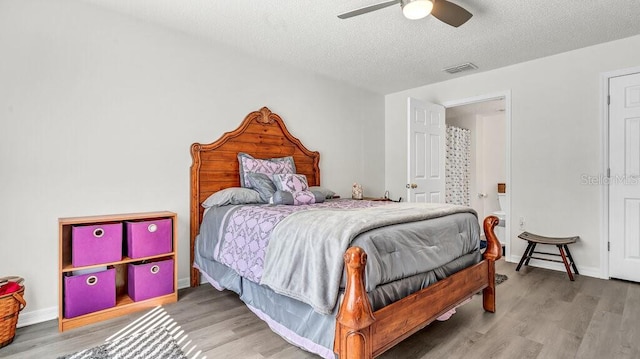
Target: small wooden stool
pixel 561 243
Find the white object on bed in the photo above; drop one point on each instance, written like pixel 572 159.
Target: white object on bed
pixel 356 191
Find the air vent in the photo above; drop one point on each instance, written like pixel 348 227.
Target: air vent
pixel 460 68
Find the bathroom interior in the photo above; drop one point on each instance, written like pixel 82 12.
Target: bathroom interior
pixel 477 153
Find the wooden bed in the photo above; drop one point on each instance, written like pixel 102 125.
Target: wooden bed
pixel 360 332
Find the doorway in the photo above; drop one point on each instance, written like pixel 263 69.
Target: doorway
pixel 488 122
pixel 481 129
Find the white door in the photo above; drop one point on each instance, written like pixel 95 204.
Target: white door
pixel 624 186
pixel 426 179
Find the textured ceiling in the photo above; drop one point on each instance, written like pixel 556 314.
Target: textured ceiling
pixel 382 51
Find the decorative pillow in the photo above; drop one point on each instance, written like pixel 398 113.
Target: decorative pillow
pixel 297 198
pixel 232 195
pixel 263 184
pixel 269 166
pixel 290 182
pixel 325 191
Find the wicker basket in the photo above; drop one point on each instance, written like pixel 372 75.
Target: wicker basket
pixel 10 306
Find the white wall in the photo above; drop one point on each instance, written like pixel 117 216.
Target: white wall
pixel 556 136
pixel 493 154
pixel 98 112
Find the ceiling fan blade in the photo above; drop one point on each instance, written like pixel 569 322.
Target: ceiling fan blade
pixel 450 13
pixel 367 9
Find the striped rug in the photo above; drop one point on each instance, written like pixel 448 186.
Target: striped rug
pixel 154 335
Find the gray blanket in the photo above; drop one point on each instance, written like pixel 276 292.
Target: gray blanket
pixel 304 256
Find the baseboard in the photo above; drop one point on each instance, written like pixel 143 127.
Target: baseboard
pixel 586 271
pixel 42 315
pixel 37 316
pixel 184 283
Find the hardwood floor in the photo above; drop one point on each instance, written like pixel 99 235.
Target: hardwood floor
pixel 540 314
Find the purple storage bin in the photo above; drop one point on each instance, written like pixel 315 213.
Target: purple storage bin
pixel 96 244
pixel 150 279
pixel 88 293
pixel 148 238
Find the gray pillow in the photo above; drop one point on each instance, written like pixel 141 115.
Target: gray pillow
pixel 263 184
pixel 325 191
pixel 297 198
pixel 232 195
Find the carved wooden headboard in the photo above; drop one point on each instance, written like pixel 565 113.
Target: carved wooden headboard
pixel 262 134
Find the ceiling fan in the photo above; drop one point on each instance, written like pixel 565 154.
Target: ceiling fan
pixel 443 10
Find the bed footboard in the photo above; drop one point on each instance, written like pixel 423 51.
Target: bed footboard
pixel 364 334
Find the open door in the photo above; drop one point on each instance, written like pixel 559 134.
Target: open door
pixel 426 179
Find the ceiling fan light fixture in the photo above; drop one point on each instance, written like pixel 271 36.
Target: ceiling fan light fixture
pixel 416 9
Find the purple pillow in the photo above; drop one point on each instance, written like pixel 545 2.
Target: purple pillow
pixel 289 182
pixel 268 167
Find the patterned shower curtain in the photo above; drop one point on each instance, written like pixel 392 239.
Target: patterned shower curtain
pixel 458 166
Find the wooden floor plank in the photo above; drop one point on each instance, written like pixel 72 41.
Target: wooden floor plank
pixel 562 344
pixel 577 318
pixel 631 321
pixel 603 336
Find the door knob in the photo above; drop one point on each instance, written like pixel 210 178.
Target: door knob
pixel 412 185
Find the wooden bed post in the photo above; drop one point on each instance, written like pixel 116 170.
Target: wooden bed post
pixel 353 331
pixel 491 255
pixel 196 217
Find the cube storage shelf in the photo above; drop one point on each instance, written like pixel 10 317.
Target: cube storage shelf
pixel 124 304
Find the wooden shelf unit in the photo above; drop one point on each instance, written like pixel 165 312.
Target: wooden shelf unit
pixel 124 304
